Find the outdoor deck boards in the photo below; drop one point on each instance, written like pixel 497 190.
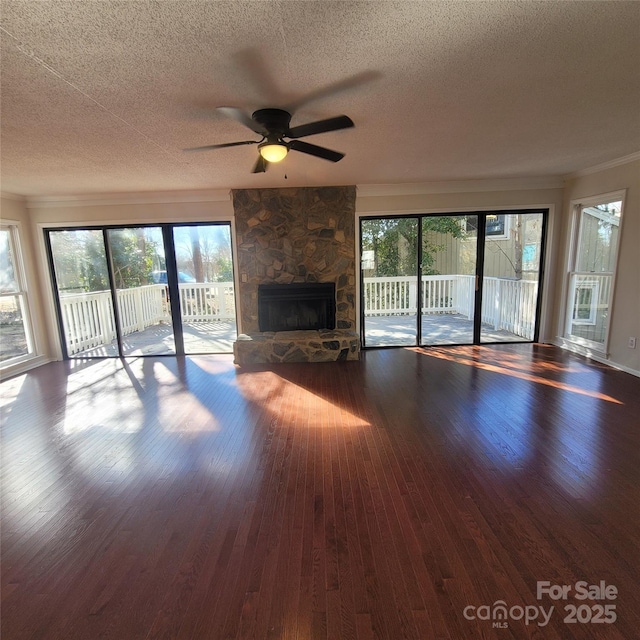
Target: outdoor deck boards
pixel 218 337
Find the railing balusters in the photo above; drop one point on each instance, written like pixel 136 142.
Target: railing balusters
pixel 507 304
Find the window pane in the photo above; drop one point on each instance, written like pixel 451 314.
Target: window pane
pixel 15 333
pixel 13 338
pixel 80 266
pixel 8 280
pixel 205 284
pixel 599 238
pixel 510 278
pixel 139 269
pixel 389 267
pixel 590 284
pixel 449 245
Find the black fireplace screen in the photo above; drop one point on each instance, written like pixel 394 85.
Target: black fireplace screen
pixel 297 307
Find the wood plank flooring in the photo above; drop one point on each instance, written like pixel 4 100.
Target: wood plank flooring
pixel 400 496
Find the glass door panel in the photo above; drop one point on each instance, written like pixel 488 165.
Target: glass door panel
pixel 205 282
pixel 511 276
pixel 139 271
pixel 449 255
pixel 82 285
pixel 389 251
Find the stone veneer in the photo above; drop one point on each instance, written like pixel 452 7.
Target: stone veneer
pixel 304 234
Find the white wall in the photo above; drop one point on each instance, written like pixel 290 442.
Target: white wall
pixel 625 311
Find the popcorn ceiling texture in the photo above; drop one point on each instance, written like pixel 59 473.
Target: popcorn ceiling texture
pixel 297 235
pixel 102 97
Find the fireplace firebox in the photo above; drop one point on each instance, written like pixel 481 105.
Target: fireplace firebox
pixel 297 306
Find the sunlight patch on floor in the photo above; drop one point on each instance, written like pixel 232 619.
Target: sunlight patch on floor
pixel 505 367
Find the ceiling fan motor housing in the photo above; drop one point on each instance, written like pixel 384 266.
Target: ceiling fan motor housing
pixel 275 121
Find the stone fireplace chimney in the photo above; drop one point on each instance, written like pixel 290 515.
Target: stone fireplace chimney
pixel 296 235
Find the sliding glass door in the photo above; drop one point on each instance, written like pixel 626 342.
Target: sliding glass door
pixel 144 317
pixel 449 257
pixel 479 276
pixel 144 290
pixel 390 281
pixel 511 276
pixel 205 284
pixel 78 261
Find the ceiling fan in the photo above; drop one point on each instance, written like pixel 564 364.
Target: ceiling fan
pixel 273 126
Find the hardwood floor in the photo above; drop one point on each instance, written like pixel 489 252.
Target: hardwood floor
pixel 395 497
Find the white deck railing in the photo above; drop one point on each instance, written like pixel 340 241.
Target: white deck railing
pixel 507 304
pixel 88 317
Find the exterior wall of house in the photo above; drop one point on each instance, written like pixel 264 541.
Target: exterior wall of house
pixel 625 310
pixel 458 255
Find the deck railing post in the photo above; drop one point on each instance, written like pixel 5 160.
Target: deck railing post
pixel 413 296
pixel 222 294
pixel 497 307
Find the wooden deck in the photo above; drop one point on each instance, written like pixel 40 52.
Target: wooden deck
pixel 199 337
pixel 218 337
pixel 186 498
pixel 437 329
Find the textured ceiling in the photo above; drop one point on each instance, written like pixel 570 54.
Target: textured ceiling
pixel 103 96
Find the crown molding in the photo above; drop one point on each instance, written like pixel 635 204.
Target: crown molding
pixel 156 197
pixel 460 186
pixel 604 166
pixel 12 196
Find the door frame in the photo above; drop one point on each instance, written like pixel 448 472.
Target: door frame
pixel 172 278
pixel 482 214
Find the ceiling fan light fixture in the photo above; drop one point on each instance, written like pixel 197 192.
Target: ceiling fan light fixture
pixel 273 151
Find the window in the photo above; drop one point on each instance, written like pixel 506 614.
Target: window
pixel 585 301
pixel 592 270
pixel 497 225
pixel 16 340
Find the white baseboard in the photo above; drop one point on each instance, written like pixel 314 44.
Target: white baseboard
pixel 22 367
pixel 589 353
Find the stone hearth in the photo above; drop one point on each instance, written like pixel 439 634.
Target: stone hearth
pixel 296 346
pixel 293 236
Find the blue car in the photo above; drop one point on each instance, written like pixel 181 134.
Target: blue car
pixel 160 277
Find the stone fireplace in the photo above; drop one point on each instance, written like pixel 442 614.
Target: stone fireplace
pixel 296 261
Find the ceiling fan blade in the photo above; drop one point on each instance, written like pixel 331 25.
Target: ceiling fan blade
pixel 321 126
pixel 240 116
pixel 337 87
pixel 314 150
pixel 260 166
pixel 221 146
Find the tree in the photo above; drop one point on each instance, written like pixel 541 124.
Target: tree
pixel 394 242
pixel 132 256
pixel 81 264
